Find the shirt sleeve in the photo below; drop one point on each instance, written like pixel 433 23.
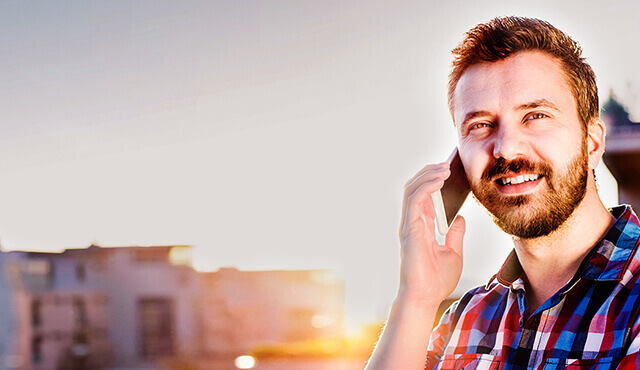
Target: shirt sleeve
pixel 440 337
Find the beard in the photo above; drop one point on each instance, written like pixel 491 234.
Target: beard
pixel 529 216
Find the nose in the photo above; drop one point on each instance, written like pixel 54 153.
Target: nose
pixel 509 142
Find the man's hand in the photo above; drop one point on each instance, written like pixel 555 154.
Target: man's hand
pixel 429 272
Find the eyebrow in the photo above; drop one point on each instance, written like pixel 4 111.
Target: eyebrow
pixel 539 103
pixel 544 103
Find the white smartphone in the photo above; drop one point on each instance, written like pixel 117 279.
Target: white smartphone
pixel 448 200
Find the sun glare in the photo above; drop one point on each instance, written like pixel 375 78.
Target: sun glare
pixel 245 362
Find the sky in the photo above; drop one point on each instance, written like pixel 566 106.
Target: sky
pixel 268 134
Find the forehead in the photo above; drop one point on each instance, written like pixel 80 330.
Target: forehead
pixel 519 79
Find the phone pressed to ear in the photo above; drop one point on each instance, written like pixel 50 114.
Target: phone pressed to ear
pixel 448 200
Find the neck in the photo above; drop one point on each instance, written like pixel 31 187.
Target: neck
pixel 549 262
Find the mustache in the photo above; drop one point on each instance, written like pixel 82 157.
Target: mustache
pixel 502 167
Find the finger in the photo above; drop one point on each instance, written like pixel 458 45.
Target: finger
pixel 418 204
pixel 430 173
pixel 427 168
pixel 443 172
pixel 455 236
pixel 411 185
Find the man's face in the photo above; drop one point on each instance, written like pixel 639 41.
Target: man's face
pixel 522 143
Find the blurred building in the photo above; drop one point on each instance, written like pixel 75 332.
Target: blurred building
pixel 622 151
pixel 65 329
pixel 153 293
pixel 97 307
pixel 122 307
pixel 243 309
pixel 48 324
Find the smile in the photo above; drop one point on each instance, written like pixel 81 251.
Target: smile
pixel 517 180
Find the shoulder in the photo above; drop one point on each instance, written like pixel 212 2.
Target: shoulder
pixel 486 299
pixel 487 302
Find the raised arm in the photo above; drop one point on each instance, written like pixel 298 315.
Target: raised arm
pixel 429 272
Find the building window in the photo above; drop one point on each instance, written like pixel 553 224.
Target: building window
pixel 36 312
pixel 80 311
pixel 36 349
pixel 155 320
pixel 81 272
pixel 39 273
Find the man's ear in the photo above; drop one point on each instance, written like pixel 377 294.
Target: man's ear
pixel 596 134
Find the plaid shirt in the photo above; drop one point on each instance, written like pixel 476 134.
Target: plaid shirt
pixel 593 322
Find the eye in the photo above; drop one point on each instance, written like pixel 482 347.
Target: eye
pixel 537 115
pixel 479 125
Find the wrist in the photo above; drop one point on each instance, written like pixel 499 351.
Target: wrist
pixel 420 302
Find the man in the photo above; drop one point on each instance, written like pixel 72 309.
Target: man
pixel 525 107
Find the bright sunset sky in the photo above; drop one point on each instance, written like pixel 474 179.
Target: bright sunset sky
pixel 268 134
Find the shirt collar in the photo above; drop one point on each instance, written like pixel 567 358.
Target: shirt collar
pixel 607 261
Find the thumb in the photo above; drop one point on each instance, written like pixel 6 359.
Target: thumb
pixel 456 235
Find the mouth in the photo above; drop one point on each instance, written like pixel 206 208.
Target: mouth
pixel 518 184
pixel 517 180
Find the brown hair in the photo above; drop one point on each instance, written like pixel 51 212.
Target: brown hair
pixel 504 36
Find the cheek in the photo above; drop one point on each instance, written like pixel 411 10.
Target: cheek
pixel 559 150
pixel 474 159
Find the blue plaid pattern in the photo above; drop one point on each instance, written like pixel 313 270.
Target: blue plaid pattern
pixel 591 323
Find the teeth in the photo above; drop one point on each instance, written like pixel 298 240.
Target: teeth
pixel 519 179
